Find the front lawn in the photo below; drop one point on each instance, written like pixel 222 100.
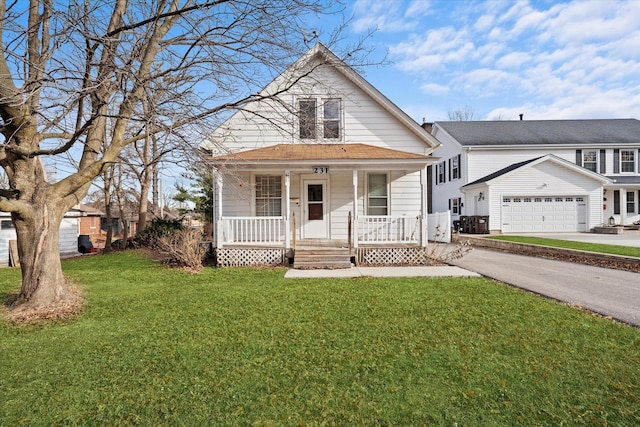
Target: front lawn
pixel 629 251
pixel 156 346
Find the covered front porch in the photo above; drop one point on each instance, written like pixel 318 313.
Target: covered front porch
pixel 373 204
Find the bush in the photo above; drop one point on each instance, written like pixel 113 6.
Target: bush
pixel 181 248
pixel 159 227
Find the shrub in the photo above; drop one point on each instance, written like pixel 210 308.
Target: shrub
pixel 181 248
pixel 159 227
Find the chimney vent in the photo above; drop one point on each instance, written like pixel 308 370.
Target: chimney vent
pixel 521 116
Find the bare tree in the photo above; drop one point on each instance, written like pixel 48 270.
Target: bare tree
pixel 73 78
pixel 463 114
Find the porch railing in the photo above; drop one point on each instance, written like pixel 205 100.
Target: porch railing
pixel 264 230
pixel 389 229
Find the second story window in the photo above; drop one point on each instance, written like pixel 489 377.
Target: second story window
pixel 320 118
pixel 627 161
pixel 307 118
pixel 331 119
pixel 441 173
pixel 590 160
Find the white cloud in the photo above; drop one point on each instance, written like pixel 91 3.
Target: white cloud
pixel 434 89
pixel 560 59
pixel 388 16
pixel 513 60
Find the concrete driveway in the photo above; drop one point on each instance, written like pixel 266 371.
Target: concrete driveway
pixel 609 292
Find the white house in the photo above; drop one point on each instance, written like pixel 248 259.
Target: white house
pixel 325 157
pixel 539 175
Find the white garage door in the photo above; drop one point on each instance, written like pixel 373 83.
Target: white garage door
pixel 544 214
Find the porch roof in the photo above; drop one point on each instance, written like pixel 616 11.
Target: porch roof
pixel 329 154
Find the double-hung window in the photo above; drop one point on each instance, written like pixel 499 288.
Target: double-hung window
pixel 455 167
pixel 331 119
pixel 441 173
pixel 307 118
pixel 627 161
pixel 631 202
pixel 456 206
pixel 313 120
pixel 377 194
pixel 590 160
pixel 268 195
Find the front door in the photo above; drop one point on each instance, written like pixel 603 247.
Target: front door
pixel 315 223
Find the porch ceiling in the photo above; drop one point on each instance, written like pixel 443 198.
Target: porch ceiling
pixel 345 155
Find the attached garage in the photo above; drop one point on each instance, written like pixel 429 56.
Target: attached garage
pixel 544 214
pixel 546 194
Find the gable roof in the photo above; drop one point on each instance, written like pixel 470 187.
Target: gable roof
pixel 319 56
pixel 529 163
pixel 544 132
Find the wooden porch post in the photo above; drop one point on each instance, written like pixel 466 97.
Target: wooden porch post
pixel 424 238
pixel 218 209
pixel 287 209
pixel 355 208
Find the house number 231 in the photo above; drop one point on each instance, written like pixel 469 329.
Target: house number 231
pixel 321 169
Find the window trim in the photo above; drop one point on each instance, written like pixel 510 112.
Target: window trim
pixel 631 204
pixel 595 162
pixel 387 195
pixel 318 123
pixel 268 197
pixel 306 115
pixel 633 162
pixel 441 173
pixel 338 119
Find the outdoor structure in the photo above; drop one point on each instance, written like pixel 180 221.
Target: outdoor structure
pixel 68 239
pixel 539 175
pixel 326 162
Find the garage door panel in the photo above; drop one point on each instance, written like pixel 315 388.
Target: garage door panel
pixel 551 213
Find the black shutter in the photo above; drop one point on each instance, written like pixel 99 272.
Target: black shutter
pixel 459 166
pixel 616 202
pixel 616 161
pixel 579 157
pixel 450 175
pixel 603 161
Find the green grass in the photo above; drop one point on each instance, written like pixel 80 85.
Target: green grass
pixel 629 251
pixel 246 347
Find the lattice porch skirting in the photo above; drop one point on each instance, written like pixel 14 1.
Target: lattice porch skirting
pixel 393 256
pixel 239 257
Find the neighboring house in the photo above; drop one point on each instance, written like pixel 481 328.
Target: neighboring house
pixel 68 239
pixel 90 223
pixel 539 175
pixel 329 159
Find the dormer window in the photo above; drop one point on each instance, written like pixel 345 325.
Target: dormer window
pixel 328 118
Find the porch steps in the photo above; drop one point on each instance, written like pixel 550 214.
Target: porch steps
pixel 321 254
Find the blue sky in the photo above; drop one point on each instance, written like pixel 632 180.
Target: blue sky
pixel 545 59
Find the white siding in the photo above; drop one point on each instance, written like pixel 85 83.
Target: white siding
pixel 364 120
pixel 560 182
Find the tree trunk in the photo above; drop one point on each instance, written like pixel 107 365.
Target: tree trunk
pixel 38 248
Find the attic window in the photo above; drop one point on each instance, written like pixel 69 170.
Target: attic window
pixel 331 118
pixel 307 118
pixel 318 122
